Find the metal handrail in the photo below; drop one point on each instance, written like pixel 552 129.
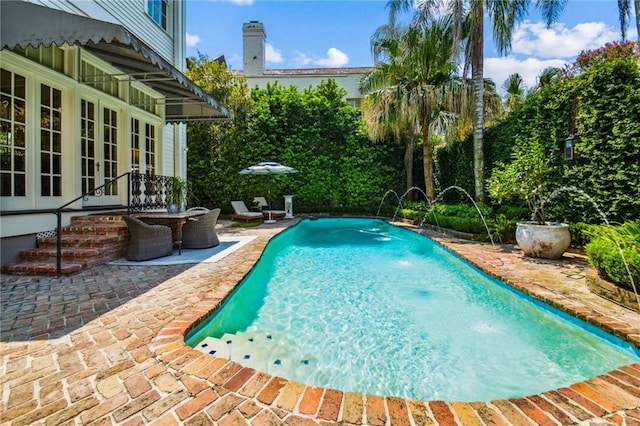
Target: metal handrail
pixel 144 191
pixel 98 191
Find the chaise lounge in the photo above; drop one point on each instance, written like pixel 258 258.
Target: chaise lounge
pixel 264 205
pixel 241 212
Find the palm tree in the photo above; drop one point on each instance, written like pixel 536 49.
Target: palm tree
pixel 416 88
pixel 624 9
pixel 468 18
pixel 514 87
pixel 548 76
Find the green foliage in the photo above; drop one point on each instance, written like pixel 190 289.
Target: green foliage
pixel 178 191
pixel 314 130
pixel 525 177
pixel 602 104
pixel 613 249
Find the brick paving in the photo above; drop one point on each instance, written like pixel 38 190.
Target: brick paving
pixel 106 346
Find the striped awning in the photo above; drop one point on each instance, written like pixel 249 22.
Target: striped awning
pixel 25 24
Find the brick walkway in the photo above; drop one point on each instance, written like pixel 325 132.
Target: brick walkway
pixel 106 347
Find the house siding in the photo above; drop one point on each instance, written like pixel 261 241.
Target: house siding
pixel 26 215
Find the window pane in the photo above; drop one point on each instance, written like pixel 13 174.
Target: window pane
pixel 57 186
pixel 45 186
pixel 18 136
pixel 5 159
pixel 20 185
pixel 20 165
pixel 45 167
pixel 5 106
pixel 45 95
pixel 5 184
pixel 57 164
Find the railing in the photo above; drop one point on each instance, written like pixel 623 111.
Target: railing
pixel 144 192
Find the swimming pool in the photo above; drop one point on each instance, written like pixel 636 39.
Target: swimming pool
pixel 360 305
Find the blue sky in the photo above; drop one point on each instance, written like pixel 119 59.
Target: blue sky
pixel 337 33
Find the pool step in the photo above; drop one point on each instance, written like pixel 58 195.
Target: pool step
pixel 263 352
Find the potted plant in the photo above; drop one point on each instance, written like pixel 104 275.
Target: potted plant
pixel 177 192
pixel 525 177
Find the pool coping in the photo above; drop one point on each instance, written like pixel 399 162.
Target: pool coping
pixel 613 395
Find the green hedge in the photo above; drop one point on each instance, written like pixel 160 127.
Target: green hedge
pixel 603 103
pixel 613 249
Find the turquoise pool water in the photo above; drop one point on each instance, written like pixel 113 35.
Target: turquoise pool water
pixel 360 305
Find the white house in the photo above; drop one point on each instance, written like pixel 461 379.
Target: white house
pixel 90 91
pixel 253 53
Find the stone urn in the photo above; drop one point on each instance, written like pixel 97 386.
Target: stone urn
pixel 548 241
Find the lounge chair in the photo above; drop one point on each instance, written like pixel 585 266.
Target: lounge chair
pixel 264 205
pixel 200 232
pixel 241 212
pixel 147 241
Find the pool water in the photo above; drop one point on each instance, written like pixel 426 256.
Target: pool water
pixel 360 305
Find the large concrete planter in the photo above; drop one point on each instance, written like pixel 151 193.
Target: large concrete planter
pixel 548 241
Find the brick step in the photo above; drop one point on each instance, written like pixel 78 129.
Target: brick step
pixel 67 253
pixel 86 240
pixel 41 268
pixel 89 241
pixel 99 228
pixel 97 218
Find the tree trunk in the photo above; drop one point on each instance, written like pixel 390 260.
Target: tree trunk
pixel 408 161
pixel 477 64
pixel 427 161
pixel 637 2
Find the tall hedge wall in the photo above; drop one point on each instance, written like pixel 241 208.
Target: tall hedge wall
pixel 603 103
pixel 315 131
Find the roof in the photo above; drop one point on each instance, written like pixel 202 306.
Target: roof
pixel 25 24
pixel 319 71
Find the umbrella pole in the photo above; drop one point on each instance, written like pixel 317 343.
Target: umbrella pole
pixel 270 220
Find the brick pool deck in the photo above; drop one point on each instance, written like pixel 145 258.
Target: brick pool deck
pixel 106 346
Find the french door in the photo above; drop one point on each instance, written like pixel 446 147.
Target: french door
pixel 99 134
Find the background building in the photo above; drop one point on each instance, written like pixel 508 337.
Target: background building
pixel 254 38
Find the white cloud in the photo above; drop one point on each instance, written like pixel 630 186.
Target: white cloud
pixel 272 54
pixel 302 59
pixel 498 69
pixel 558 41
pixel 335 58
pixel 192 40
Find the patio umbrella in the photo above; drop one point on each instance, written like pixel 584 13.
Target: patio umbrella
pixel 268 168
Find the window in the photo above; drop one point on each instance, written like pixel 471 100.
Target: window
pixel 13 148
pixel 99 79
pixel 50 141
pixel 51 57
pixel 157 9
pixel 150 148
pixel 135 145
pixel 88 145
pixel 110 150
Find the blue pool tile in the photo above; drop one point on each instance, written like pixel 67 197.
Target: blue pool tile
pixel 277 362
pixel 204 345
pixel 211 352
pixel 247 356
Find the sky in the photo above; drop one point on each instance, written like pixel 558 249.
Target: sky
pixel 337 33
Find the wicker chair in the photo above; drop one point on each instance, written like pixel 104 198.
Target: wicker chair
pixel 201 232
pixel 147 241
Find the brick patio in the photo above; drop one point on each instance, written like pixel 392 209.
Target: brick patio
pixel 106 346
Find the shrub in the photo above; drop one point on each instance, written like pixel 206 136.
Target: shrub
pixel 608 246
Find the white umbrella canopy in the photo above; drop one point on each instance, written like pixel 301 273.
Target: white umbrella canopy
pixel 268 168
